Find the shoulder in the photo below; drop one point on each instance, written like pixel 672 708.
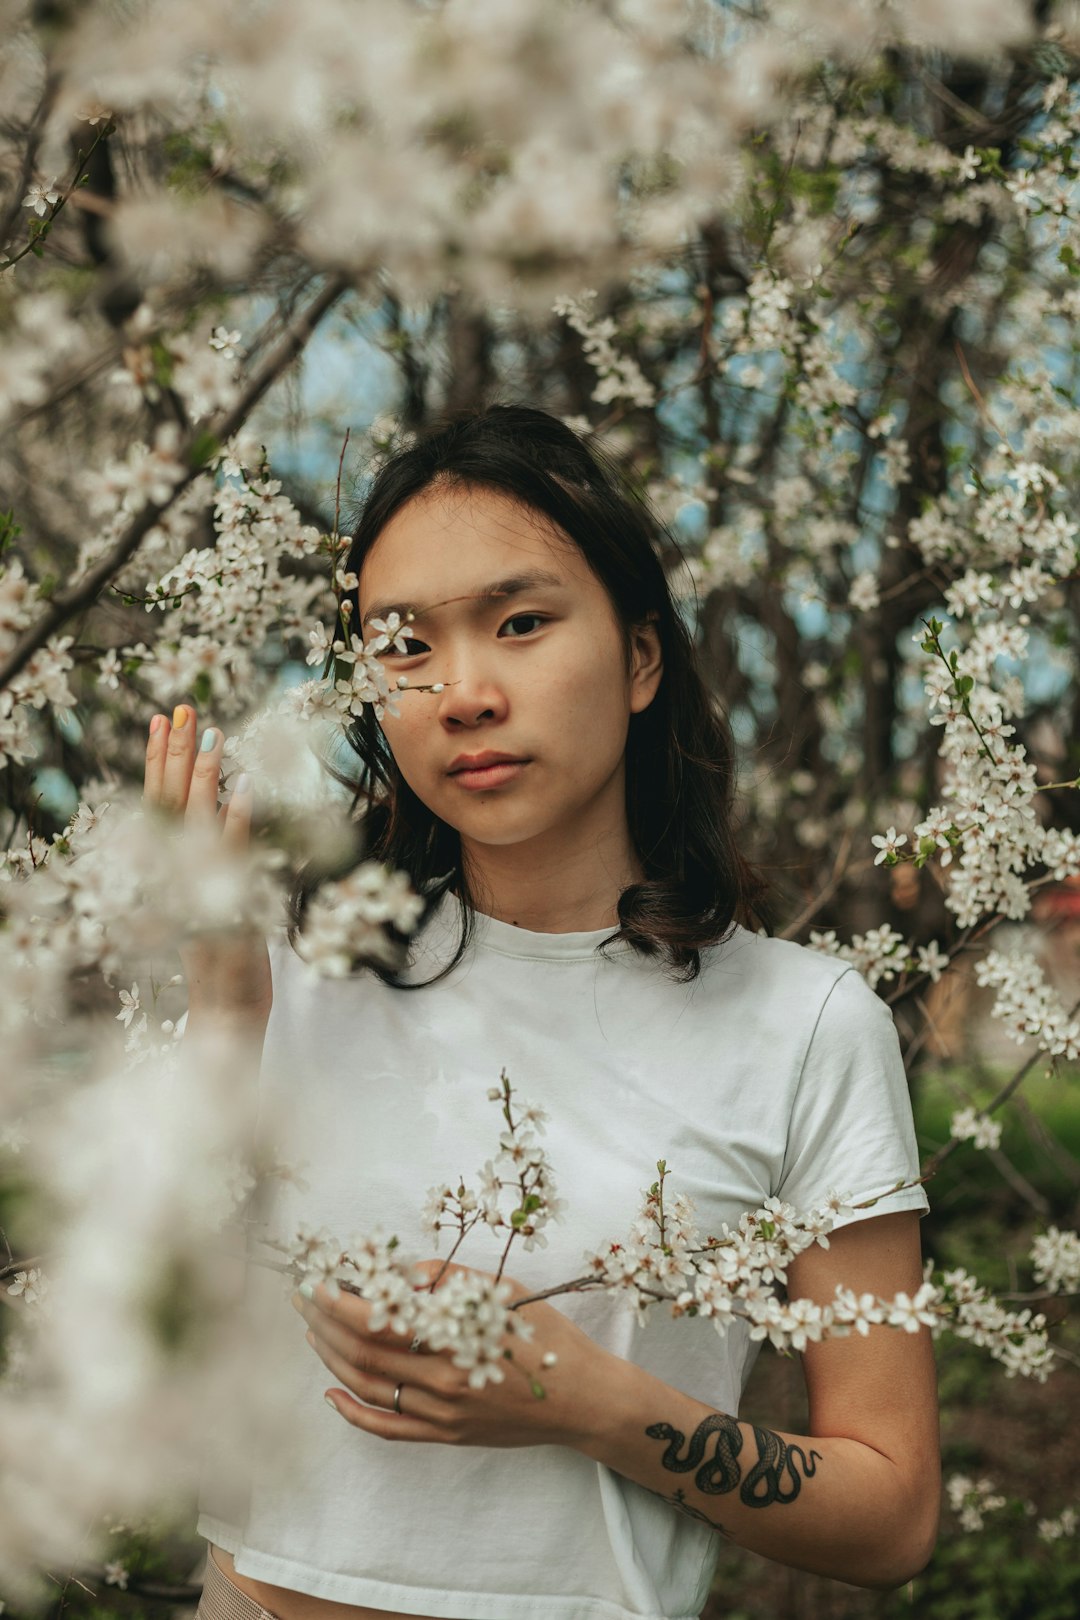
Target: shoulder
pixel 781 969
pixel 792 998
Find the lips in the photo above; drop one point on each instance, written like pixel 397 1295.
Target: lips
pixel 479 762
pixel 483 777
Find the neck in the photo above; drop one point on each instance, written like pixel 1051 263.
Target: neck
pixel 563 882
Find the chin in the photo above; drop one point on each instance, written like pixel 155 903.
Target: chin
pixel 498 831
pixel 487 822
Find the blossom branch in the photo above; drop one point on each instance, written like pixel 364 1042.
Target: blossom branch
pixel 39 229
pixel 30 151
pixel 192 456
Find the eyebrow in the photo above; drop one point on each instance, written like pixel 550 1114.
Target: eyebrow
pixel 515 585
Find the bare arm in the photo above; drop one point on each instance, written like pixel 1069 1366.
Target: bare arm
pixel 858 1497
pixel 228 976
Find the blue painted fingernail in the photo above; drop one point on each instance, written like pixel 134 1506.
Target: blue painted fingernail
pixel 209 738
pixel 307 1290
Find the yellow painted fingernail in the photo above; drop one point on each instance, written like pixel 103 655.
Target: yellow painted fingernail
pixel 179 716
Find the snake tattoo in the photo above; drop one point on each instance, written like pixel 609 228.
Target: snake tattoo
pixel 774 1477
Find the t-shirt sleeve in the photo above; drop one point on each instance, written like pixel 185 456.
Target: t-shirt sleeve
pixel 851 1128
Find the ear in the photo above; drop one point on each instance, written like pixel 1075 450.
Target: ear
pixel 648 662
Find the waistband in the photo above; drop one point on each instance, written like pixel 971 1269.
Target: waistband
pixel 221 1600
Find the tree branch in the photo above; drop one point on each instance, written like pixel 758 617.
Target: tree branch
pixel 65 604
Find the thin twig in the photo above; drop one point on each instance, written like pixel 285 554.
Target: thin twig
pixel 1019 1182
pixel 934 1163
pixel 983 408
pixel 20 1265
pixel 833 882
pixel 105 130
pixel 33 143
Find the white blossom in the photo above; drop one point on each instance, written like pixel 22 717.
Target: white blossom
pixel 887 844
pixel 1055 1260
pixel 1065 1524
pixel 346 919
pixel 41 196
pixel 972 1500
pixel 968 1125
pixel 32 1285
pixel 864 591
pixel 129 1005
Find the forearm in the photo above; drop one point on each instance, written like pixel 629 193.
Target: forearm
pixel 829 1505
pixel 230 1039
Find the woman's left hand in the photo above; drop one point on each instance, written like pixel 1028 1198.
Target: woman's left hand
pixel 437 1401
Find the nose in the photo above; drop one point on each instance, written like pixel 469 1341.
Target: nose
pixel 470 695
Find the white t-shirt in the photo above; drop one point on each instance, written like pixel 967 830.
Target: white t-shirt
pixel 778 1071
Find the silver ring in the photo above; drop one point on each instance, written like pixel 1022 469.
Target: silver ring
pixel 397 1397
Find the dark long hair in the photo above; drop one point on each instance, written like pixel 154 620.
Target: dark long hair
pixel 680 757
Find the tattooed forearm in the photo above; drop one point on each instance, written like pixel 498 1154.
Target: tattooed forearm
pixel 679 1501
pixel 774 1477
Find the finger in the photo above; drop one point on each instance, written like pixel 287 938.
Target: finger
pixel 154 768
pixel 388 1344
pixel 366 1353
pixel 387 1425
pixel 435 1373
pixel 236 816
pixel 205 772
pixel 354 1314
pixel 378 1389
pixel 179 758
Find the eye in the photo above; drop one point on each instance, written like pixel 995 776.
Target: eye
pixel 539 617
pixel 413 649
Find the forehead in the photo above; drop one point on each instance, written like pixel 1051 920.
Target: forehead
pixel 450 541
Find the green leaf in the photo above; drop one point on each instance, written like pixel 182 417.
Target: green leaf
pixel 9 529
pixel 162 363
pixel 203 448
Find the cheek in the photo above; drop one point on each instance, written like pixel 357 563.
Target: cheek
pixel 590 703
pixel 408 738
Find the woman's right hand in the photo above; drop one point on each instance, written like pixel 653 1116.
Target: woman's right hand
pixel 226 974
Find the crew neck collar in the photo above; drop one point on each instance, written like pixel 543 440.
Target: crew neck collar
pixel 491 934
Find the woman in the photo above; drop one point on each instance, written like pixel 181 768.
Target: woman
pixel 587 930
